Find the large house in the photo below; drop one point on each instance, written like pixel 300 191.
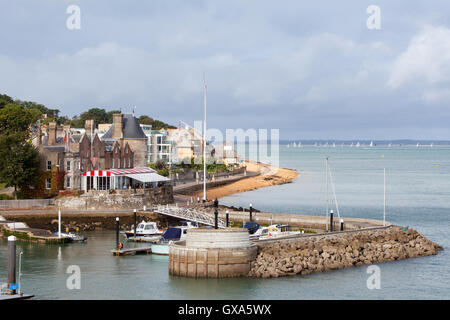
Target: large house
pixel 84 161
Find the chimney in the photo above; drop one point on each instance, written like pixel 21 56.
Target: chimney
pixel 117 125
pixel 89 126
pixel 52 133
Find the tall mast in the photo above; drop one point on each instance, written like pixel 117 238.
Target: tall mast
pixel 204 140
pixel 384 207
pixel 326 197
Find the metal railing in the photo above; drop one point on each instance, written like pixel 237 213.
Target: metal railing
pixel 189 215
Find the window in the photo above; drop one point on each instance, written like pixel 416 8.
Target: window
pixel 48 183
pixel 68 165
pixel 68 182
pixel 49 165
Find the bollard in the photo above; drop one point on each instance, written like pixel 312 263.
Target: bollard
pixel 216 219
pixel 117 233
pixel 342 225
pixel 11 264
pixel 135 220
pixel 331 220
pixel 251 210
pixel 227 220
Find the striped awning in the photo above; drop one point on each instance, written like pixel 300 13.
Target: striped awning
pixel 117 172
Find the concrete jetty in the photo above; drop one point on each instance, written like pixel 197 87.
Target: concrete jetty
pixel 24 233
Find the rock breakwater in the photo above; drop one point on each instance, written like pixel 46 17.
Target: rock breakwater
pixel 338 251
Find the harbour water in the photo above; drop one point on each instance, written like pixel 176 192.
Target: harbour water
pixel 418 196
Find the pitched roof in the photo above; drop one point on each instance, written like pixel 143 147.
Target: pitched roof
pixel 131 129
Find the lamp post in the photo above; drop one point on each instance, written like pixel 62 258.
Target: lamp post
pixel 204 141
pixel 251 210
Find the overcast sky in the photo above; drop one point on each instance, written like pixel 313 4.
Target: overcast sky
pixel 309 68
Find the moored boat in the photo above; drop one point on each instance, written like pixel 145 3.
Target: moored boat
pixel 172 235
pixel 145 229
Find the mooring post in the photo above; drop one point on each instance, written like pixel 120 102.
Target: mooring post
pixel 117 233
pixel 227 219
pixel 342 225
pixel 251 210
pixel 216 214
pixel 331 220
pixel 12 264
pixel 134 213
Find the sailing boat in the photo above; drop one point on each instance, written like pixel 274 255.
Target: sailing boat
pixel 294 144
pixel 371 144
pixel 417 145
pixel 299 144
pixel 328 175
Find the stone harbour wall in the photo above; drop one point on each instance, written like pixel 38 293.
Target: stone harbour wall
pixel 117 200
pixel 343 250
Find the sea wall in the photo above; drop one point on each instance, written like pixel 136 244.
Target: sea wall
pixel 117 200
pixel 342 250
pixel 86 221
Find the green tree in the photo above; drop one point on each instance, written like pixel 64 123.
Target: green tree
pixel 96 114
pixel 19 162
pixel 109 115
pixel 16 119
pixel 4 100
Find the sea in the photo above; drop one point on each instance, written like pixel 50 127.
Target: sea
pixel 417 196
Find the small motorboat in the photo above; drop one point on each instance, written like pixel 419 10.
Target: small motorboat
pixel 274 231
pixel 147 230
pixel 172 235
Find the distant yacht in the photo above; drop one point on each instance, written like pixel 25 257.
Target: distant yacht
pixel 371 144
pixel 351 145
pixel 294 144
pixel 299 144
pixel 287 146
pixel 390 145
pixel 358 145
pixel 334 145
pixel 431 145
pixel 418 145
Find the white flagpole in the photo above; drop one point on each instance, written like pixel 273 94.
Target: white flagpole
pixel 384 207
pixel 326 197
pixel 204 142
pixel 59 222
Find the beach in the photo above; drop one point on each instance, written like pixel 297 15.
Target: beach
pixel 268 176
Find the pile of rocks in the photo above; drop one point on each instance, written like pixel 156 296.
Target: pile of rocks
pixel 331 252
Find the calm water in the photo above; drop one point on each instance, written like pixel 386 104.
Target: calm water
pixel 418 185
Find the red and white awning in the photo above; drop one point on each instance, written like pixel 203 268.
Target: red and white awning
pixel 117 172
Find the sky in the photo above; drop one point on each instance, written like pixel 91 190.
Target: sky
pixel 312 69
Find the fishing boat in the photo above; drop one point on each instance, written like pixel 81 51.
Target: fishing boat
pixel 172 235
pixel 148 230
